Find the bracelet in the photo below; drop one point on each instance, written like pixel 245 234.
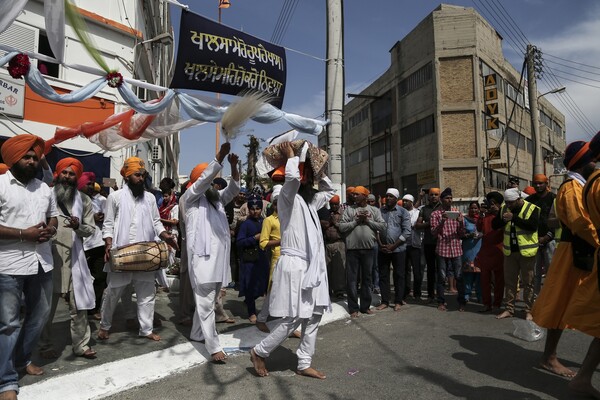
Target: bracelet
pixel 21 235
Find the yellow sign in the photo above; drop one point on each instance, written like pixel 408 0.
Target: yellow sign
pixel 498 165
pixel 491 94
pixel 491 123
pixel 426 177
pixel 491 108
pixel 490 80
pixel 493 153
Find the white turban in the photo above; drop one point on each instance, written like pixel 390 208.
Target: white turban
pixel 409 197
pixel 393 192
pixel 275 193
pixel 512 194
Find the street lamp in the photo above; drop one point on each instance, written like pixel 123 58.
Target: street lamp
pixel 555 90
pixel 538 144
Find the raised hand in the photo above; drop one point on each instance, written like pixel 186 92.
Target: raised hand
pixel 223 151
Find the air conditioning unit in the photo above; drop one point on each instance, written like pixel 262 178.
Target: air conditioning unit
pixel 156 155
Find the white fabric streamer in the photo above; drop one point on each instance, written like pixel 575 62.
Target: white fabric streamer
pixel 83 288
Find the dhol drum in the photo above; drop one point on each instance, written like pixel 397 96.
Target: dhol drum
pixel 139 257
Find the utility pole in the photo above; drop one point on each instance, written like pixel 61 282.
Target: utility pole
pixel 334 93
pixel 534 66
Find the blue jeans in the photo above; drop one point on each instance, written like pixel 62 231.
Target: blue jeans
pixel 359 264
pixel 17 342
pixel 452 267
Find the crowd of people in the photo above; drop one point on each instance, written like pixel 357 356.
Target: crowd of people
pixel 297 246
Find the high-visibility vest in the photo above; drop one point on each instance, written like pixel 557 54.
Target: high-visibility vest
pixel 526 240
pixel 557 231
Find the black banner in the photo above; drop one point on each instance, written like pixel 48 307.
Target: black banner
pixel 216 58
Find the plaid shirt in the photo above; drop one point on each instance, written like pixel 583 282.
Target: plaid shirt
pixel 449 242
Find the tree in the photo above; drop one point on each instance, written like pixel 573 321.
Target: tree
pixel 251 177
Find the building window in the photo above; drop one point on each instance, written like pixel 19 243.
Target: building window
pixel 381 114
pixel 46 68
pixel 381 156
pixel 357 118
pixel 546 119
pixel 357 156
pixel 496 179
pixel 410 185
pixel 417 130
pixel 416 80
pixel 487 70
pixel 519 141
pixel 513 94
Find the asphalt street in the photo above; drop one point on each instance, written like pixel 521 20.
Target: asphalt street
pixel 417 353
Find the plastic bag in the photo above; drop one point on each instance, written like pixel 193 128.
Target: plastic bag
pixel 528 330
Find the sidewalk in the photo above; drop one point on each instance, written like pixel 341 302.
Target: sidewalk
pixel 126 360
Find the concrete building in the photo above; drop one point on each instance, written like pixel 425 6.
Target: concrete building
pixel 134 38
pixel 439 116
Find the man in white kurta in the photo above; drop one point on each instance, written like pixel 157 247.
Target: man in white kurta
pixel 300 290
pixel 208 244
pixel 131 216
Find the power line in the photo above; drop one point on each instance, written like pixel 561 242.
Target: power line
pixel 571 61
pixel 285 15
pixel 572 67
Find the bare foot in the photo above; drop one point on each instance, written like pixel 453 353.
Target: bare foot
pixel 583 387
pixel 556 367
pixel 34 370
pixel 296 334
pixel 227 321
pixel 252 319
pixel 368 312
pixel 103 334
pixel 262 327
pixel 259 364
pixel 397 307
pixel 505 314
pixel 8 395
pixel 311 372
pixel 382 306
pixel 153 336
pixel 219 357
pixel 354 314
pixel 442 307
pixel 528 316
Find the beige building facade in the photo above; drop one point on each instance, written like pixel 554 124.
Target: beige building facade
pixel 450 111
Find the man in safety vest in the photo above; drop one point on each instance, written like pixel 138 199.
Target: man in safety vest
pixel 520 220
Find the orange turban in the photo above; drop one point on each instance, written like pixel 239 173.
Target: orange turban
pixel 400 202
pixel 349 189
pixel 65 163
pixel 361 190
pixel 196 172
pixel 278 174
pixel 335 199
pixel 132 165
pixel 3 168
pixel 17 146
pixel 434 191
pixel 540 178
pixel 529 190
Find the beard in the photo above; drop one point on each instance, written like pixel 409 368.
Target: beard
pixel 212 195
pixel 24 174
pixel 65 191
pixel 136 188
pixel 307 193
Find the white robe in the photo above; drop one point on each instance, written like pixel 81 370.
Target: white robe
pixel 290 296
pixel 213 267
pixel 111 223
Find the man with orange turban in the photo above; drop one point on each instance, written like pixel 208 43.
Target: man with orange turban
pixel 544 199
pixel 3 168
pixel 27 223
pixel 131 217
pixel 360 224
pixel 94 245
pixel 335 248
pixel 71 272
pixel 429 240
pixel 208 243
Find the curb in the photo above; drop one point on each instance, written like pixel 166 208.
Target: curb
pixel 114 377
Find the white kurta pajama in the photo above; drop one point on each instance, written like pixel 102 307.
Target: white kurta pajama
pixel 208 244
pixel 300 290
pixel 130 220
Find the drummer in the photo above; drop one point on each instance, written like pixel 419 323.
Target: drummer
pixel 131 217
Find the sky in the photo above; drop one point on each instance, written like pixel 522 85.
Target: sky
pixel 566 31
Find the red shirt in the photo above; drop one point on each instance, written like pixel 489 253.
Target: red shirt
pixel 449 242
